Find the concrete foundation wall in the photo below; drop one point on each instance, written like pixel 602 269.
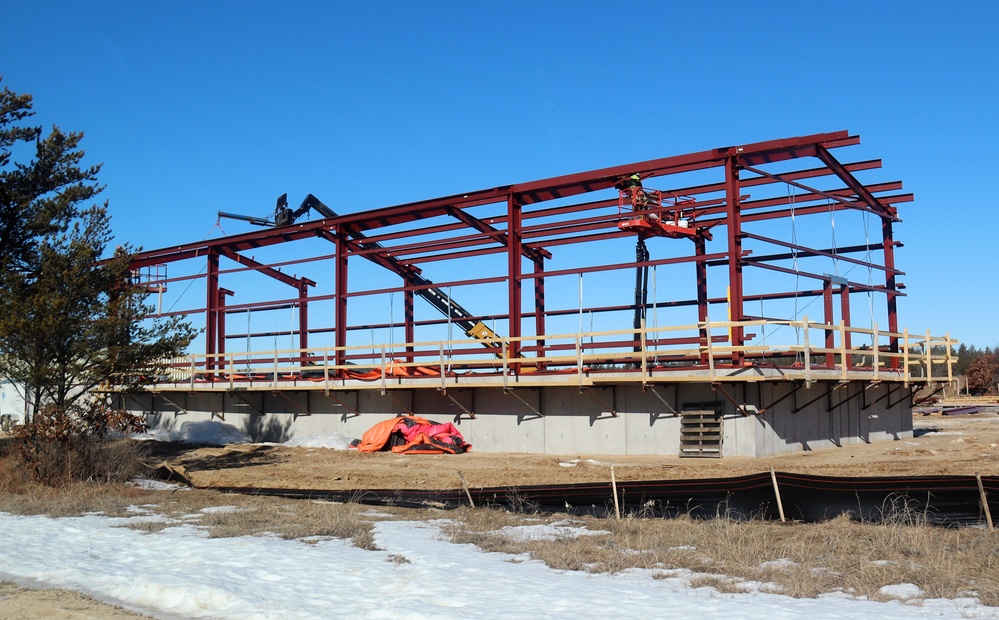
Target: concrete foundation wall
pixel 623 419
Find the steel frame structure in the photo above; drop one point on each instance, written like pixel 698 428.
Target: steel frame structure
pixel 527 225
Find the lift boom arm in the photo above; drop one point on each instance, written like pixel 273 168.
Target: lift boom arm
pixel 283 216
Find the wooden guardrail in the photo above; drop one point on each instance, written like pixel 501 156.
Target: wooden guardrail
pixel 641 355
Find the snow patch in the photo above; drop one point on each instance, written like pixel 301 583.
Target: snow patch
pixel 902 591
pixel 333 441
pixel 549 531
pixel 205 432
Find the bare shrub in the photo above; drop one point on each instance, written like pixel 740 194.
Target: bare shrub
pixel 62 445
pixel 519 503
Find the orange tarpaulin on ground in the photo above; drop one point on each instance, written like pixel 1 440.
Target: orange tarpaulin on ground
pixel 412 435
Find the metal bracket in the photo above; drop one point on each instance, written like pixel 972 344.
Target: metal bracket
pixel 612 408
pixel 304 411
pixel 470 414
pixel 795 386
pixel 248 403
pixel 343 418
pixel 844 401
pixel 673 411
pixel 152 397
pixel 742 408
pixel 798 408
pixel 537 412
pixel 892 388
pixel 215 414
pixel 180 410
pixel 899 401
pixel 406 410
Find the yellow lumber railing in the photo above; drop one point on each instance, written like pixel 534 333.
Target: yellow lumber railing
pixel 646 355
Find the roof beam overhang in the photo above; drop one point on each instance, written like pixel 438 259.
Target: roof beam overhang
pixel 851 181
pixel 497 235
pixel 278 275
pixel 863 204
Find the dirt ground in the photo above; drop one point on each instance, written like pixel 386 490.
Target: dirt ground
pixel 942 445
pixel 18 603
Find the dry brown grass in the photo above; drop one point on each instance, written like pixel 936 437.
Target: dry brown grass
pixel 240 515
pixel 800 560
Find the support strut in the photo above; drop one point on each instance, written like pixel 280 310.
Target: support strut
pixel 641 282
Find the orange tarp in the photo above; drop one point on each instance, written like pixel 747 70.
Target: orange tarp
pixel 375 438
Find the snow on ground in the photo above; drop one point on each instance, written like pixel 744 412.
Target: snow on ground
pixel 332 441
pixel 179 572
pixel 203 432
pixel 213 433
pixel 546 531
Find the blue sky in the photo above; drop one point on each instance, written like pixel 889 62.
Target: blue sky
pixel 200 107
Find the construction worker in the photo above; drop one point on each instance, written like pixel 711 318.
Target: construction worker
pixel 633 187
pixel 627 183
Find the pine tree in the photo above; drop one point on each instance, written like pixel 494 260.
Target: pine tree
pixel 68 321
pixel 41 197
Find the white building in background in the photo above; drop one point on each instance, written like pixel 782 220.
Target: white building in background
pixel 11 402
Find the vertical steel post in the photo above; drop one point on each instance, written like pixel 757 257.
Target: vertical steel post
pixel 701 271
pixel 828 320
pixel 890 284
pixel 734 213
pixel 212 314
pixel 539 308
pixel 514 272
pixel 410 328
pixel 303 316
pixel 340 284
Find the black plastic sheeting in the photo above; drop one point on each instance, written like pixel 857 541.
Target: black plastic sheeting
pixel 939 500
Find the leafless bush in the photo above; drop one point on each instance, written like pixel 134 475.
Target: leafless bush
pixel 64 445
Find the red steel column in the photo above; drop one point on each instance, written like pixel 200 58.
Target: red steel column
pixel 734 213
pixel 890 284
pixel 410 318
pixel 340 297
pixel 539 308
pixel 303 316
pixel 514 272
pixel 701 271
pixel 211 313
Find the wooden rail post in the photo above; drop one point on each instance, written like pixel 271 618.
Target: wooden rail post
pixel 780 504
pixel 468 493
pixel 617 507
pixel 985 501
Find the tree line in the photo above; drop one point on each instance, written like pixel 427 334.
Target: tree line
pixel 980 367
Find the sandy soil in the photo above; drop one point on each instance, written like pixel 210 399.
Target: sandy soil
pixel 942 445
pixel 18 603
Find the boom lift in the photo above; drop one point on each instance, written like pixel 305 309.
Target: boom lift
pixel 284 216
pixel 648 213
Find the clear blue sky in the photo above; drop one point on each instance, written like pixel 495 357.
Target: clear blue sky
pixel 207 106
